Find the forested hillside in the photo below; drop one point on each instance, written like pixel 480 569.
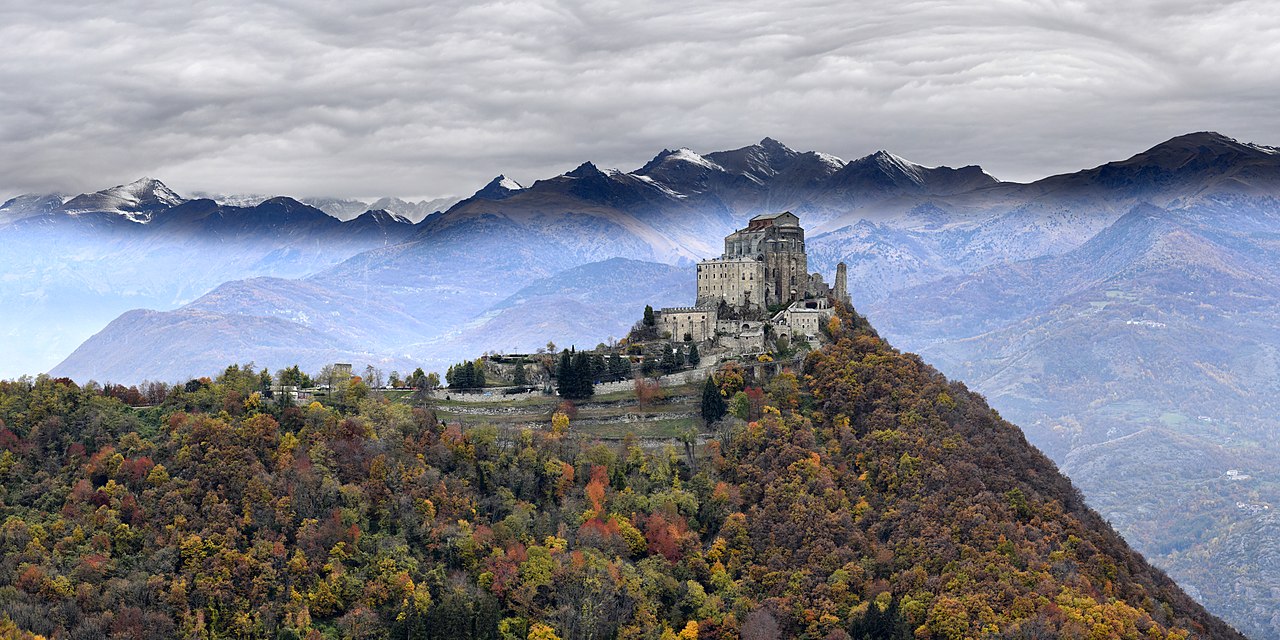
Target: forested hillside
pixel 873 498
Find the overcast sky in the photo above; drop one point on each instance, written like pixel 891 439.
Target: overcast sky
pixel 396 97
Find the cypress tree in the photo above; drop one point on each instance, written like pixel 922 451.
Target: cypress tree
pixel 520 378
pixel 619 367
pixel 669 360
pixel 564 374
pixel 694 358
pixel 649 320
pixel 583 384
pixel 713 406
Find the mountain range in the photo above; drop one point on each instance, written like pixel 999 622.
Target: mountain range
pixel 1102 310
pixel 73 266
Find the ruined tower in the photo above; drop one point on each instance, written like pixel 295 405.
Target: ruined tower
pixel 842 284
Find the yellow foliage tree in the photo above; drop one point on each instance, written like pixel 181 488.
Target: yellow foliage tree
pixel 559 423
pixel 540 631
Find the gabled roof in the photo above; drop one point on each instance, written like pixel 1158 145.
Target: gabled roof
pixel 766 220
pixel 771 216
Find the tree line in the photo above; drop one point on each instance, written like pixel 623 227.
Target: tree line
pixel 469 374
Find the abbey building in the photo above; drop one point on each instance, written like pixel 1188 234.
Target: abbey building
pixel 762 277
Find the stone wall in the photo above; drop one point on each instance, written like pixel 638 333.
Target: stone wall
pixel 699 322
pixel 738 281
pixel 801 322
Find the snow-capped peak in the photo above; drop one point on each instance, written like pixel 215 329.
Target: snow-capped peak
pixel 381 216
pixel 684 154
pixel 499 188
pixel 138 201
pixel 771 144
pixel 145 187
pixel 890 162
pixel 829 160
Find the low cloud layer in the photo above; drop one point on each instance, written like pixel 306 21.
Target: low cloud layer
pixel 391 97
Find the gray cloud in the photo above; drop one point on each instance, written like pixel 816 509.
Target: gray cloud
pixel 409 99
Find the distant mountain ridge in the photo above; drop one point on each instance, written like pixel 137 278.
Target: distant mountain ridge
pixel 137 200
pixel 75 266
pixel 271 320
pixel 904 224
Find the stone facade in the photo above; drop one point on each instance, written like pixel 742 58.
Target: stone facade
pixel 739 282
pixel 762 265
pixel 697 322
pixel 803 318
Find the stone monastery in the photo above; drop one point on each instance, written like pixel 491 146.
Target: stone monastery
pixel 763 277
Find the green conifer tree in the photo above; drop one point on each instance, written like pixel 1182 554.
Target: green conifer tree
pixel 599 368
pixel 669 360
pixel 619 367
pixel 583 380
pixel 564 374
pixel 649 367
pixel 713 406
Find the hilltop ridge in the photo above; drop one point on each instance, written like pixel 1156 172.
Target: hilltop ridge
pixel 866 496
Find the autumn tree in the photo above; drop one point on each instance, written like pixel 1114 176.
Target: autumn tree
pixel 731 378
pixel 647 390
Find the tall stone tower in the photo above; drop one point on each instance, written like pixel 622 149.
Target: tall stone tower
pixel 777 241
pixel 842 284
pixel 763 265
